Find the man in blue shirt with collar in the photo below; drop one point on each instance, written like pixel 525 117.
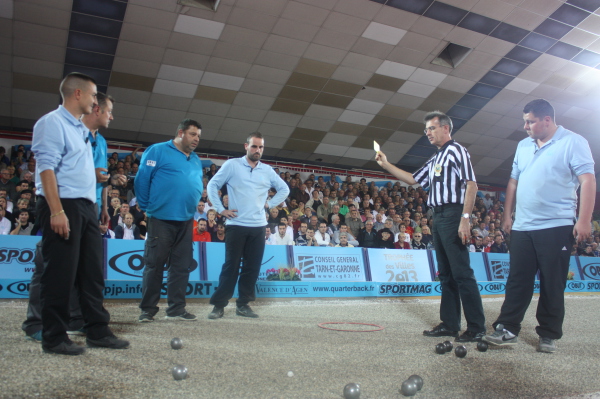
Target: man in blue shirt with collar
pixel 71 244
pixel 549 166
pixel 248 182
pixel 164 167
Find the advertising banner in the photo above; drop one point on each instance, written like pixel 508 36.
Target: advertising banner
pixel 407 289
pixel 14 288
pixel 399 265
pixel 477 264
pixel 330 263
pixel 125 260
pixel 16 256
pixel 499 266
pixel 128 289
pixel 315 289
pixel 590 268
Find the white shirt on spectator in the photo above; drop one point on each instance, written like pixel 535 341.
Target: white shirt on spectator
pixel 4 226
pixel 322 240
pixel 271 240
pixel 285 240
pixel 128 233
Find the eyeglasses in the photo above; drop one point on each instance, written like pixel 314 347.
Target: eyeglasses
pixel 431 128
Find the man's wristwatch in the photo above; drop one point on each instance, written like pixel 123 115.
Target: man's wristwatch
pixel 466 215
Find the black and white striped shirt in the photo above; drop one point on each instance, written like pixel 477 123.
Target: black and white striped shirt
pixel 446 175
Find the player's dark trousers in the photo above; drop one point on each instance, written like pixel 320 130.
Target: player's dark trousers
pixel 167 241
pixel 76 261
pixel 547 251
pixel 457 279
pixel 33 323
pixel 247 243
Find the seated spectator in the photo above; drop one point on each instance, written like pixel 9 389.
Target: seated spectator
pixel 294 221
pixel 367 237
pixel 407 237
pixel 595 249
pixel 386 238
pixel 323 239
pixel 487 244
pixel 105 232
pixel 499 246
pixel 269 237
pixel 219 234
pixel 274 217
pixel 211 222
pixel 301 234
pixel 315 202
pixel 308 213
pixel 335 238
pixel 334 227
pixel 200 233
pixel 324 210
pixel 200 213
pixel 127 230
pixel 354 221
pixel 417 242
pixel 344 241
pixel 311 241
pixel 589 251
pixel 283 237
pixel 482 230
pixel 478 246
pixel 119 219
pixel 22 226
pixel 402 243
pixel 378 225
pixel 5 224
pixel 289 229
pixel 427 236
pixel 335 210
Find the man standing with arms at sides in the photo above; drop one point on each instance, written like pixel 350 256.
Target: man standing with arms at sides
pixel 71 243
pixel 451 180
pixel 170 218
pixel 248 182
pixel 549 166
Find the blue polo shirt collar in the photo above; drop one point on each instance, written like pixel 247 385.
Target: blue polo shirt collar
pixel 559 134
pixel 68 116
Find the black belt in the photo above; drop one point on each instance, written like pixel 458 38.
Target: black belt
pixel 440 208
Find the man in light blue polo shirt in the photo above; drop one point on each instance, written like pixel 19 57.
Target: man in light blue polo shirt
pixel 248 182
pixel 549 166
pixel 71 244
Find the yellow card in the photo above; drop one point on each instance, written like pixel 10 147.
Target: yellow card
pixel 376 146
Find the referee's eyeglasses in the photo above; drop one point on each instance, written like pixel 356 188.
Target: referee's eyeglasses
pixel 431 128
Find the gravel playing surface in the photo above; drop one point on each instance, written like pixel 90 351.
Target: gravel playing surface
pixel 236 357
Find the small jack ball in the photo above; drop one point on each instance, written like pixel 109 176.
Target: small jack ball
pixel 409 388
pixel 352 391
pixel 482 346
pixel 418 380
pixel 448 346
pixel 440 349
pixel 176 343
pixel 460 351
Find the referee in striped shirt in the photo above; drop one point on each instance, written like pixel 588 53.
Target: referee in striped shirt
pixel 452 188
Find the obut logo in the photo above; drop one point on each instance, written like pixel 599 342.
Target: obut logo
pixel 132 263
pixel 495 287
pixel 19 288
pixel 592 271
pixel 576 285
pixel 438 288
pixel 23 255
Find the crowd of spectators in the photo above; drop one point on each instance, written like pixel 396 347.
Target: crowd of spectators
pixel 319 211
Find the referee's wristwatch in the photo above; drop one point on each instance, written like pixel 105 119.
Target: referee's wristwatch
pixel 466 215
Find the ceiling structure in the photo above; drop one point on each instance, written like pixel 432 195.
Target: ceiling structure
pixel 321 79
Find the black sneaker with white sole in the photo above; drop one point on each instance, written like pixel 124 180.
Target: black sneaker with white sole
pixel 145 318
pixel 245 311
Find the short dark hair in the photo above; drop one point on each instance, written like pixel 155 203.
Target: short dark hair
pixel 540 108
pixel 103 98
pixel 73 81
pixel 254 135
pixel 186 123
pixel 282 224
pixel 202 220
pixel 442 117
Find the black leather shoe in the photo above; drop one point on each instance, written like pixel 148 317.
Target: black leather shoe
pixel 470 336
pixel 110 342
pixel 216 313
pixel 245 311
pixel 440 331
pixel 65 348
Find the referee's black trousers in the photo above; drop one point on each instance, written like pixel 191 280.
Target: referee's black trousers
pixel 66 262
pixel 457 279
pixel 547 251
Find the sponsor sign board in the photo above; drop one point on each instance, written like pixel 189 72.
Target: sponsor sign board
pixel 399 265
